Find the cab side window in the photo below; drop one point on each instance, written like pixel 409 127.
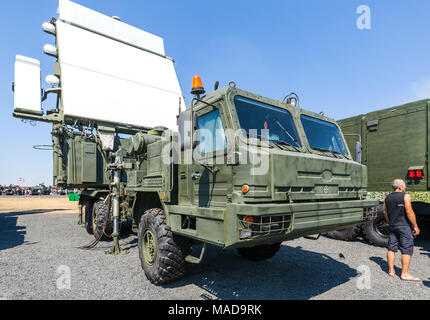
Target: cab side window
pixel 211 133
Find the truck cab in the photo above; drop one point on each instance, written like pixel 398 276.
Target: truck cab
pixel 264 172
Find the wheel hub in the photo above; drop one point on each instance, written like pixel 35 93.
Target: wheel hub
pixel 149 247
pixel 382 227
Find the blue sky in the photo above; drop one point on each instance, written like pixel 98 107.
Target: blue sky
pixel 312 47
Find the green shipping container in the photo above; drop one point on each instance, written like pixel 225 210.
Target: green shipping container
pixel 395 145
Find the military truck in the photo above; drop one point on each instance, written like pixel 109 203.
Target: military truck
pixel 238 170
pixel 393 144
pixel 40 190
pixel 11 190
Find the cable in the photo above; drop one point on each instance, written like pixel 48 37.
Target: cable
pixel 295 95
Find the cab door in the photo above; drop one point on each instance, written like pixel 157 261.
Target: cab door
pixel 210 176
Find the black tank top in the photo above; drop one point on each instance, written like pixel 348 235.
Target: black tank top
pixel 395 203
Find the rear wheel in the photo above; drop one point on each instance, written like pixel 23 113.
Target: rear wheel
pixel 260 253
pixel 424 226
pixel 102 223
pixel 89 204
pixel 161 255
pixel 422 211
pixel 348 234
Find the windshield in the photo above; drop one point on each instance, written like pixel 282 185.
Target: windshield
pixel 254 115
pixel 323 135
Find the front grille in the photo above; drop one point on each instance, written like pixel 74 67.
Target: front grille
pixel 349 189
pixel 265 226
pixel 294 189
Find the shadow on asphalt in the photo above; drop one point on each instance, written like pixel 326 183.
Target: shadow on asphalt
pixel 12 235
pixel 424 246
pixel 383 264
pixel 128 243
pixel 292 274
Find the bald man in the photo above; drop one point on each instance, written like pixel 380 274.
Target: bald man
pixel 400 216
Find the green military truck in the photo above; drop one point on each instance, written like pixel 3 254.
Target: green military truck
pixel 234 170
pixel 394 144
pixel 11 190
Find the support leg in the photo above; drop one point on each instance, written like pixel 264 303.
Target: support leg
pixel 81 216
pixel 116 248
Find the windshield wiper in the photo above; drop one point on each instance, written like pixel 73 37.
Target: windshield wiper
pixel 259 136
pixel 287 132
pixel 335 153
pixel 277 143
pixel 282 142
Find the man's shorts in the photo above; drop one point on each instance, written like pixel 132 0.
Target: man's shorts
pixel 401 237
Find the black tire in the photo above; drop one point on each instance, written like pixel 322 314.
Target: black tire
pixel 422 211
pixel 259 253
pixel 348 234
pixel 424 225
pixel 377 231
pixel 99 217
pixel 162 258
pixel 89 204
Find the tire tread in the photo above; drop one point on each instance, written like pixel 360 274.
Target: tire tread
pixel 170 263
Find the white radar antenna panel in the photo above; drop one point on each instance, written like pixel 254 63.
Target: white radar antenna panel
pixel 27 85
pixel 114 72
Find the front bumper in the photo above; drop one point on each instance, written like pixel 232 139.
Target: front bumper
pixel 280 222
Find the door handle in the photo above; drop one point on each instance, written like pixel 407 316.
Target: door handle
pixel 196 176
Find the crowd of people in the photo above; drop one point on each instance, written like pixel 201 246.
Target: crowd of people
pixel 38 191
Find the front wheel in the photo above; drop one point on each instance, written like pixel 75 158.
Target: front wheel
pixel 260 253
pixel 162 258
pixel 377 231
pixel 348 234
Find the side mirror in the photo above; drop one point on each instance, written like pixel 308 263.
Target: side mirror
pixel 358 152
pixel 195 133
pixel 185 130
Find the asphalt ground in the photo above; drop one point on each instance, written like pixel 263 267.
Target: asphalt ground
pixel 38 252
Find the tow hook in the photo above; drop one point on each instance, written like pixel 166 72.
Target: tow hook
pixel 194 260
